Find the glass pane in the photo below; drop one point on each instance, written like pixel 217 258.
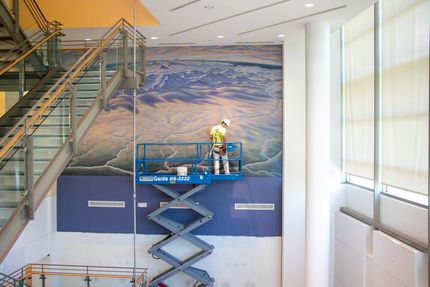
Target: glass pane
pixel 359 94
pixel 53 281
pixel 51 133
pixel 73 50
pixel 24 76
pixel 113 54
pixel 12 182
pixel 88 88
pixel 405 93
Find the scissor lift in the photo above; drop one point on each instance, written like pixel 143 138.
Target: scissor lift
pixel 157 164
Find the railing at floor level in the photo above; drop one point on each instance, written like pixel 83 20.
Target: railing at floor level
pixel 96 276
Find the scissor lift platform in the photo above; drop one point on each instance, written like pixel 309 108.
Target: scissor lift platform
pixel 154 165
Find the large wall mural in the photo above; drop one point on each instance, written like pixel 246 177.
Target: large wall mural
pixel 187 91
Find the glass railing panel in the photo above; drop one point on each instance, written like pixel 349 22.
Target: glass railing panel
pixel 69 281
pixel 111 282
pixel 24 75
pixel 52 132
pixel 88 88
pixel 113 54
pixel 53 281
pixel 12 182
pixel 73 50
pixel 138 59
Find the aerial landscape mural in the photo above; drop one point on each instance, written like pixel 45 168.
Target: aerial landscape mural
pixel 187 91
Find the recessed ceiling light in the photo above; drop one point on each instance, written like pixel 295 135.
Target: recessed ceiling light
pixel 220 36
pixel 281 35
pixel 87 39
pixel 309 5
pixel 154 38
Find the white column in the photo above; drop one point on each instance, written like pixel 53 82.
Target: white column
pixel 294 173
pixel 317 258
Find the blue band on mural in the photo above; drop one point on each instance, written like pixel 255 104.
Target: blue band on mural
pixel 74 215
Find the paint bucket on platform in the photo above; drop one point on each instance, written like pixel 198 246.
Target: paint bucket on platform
pixel 182 170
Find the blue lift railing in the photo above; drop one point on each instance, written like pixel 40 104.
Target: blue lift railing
pixel 157 164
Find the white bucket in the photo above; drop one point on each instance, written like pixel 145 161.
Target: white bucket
pixel 182 170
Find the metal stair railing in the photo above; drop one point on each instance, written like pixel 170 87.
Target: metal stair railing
pixel 42 157
pixel 27 30
pixel 20 54
pixel 8 281
pixel 36 54
pixel 17 8
pixel 36 274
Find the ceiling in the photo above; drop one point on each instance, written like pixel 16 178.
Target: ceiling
pixel 200 22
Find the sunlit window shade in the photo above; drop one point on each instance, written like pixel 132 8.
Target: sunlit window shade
pixel 359 91
pixel 405 93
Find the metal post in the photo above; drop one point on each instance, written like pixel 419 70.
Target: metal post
pixel 134 147
pixel 103 79
pixel 428 194
pixel 125 50
pixel 50 46
pixel 28 174
pixel 377 116
pixel 16 12
pixel 143 50
pixel 88 280
pixel 73 119
pixel 342 103
pixel 43 278
pixel 21 80
pixel 54 52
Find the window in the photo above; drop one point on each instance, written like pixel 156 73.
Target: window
pixel 359 95
pixel 404 94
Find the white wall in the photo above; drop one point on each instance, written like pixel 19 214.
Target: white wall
pixel 369 258
pixel 236 261
pixel 36 241
pixel 408 219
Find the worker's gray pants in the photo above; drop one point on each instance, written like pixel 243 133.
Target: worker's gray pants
pixel 224 161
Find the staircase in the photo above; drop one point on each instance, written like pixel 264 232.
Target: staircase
pixel 6 41
pixel 40 133
pixel 51 132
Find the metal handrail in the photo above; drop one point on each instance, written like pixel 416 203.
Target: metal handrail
pixel 25 124
pixel 26 54
pixel 70 270
pixel 38 15
pixel 15 282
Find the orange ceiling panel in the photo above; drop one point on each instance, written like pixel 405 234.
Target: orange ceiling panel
pixel 95 13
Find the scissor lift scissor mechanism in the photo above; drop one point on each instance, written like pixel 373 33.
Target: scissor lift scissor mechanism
pixel 156 165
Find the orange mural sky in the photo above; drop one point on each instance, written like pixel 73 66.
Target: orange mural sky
pixel 95 13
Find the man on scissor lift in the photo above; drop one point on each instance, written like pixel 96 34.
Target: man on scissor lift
pixel 217 136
